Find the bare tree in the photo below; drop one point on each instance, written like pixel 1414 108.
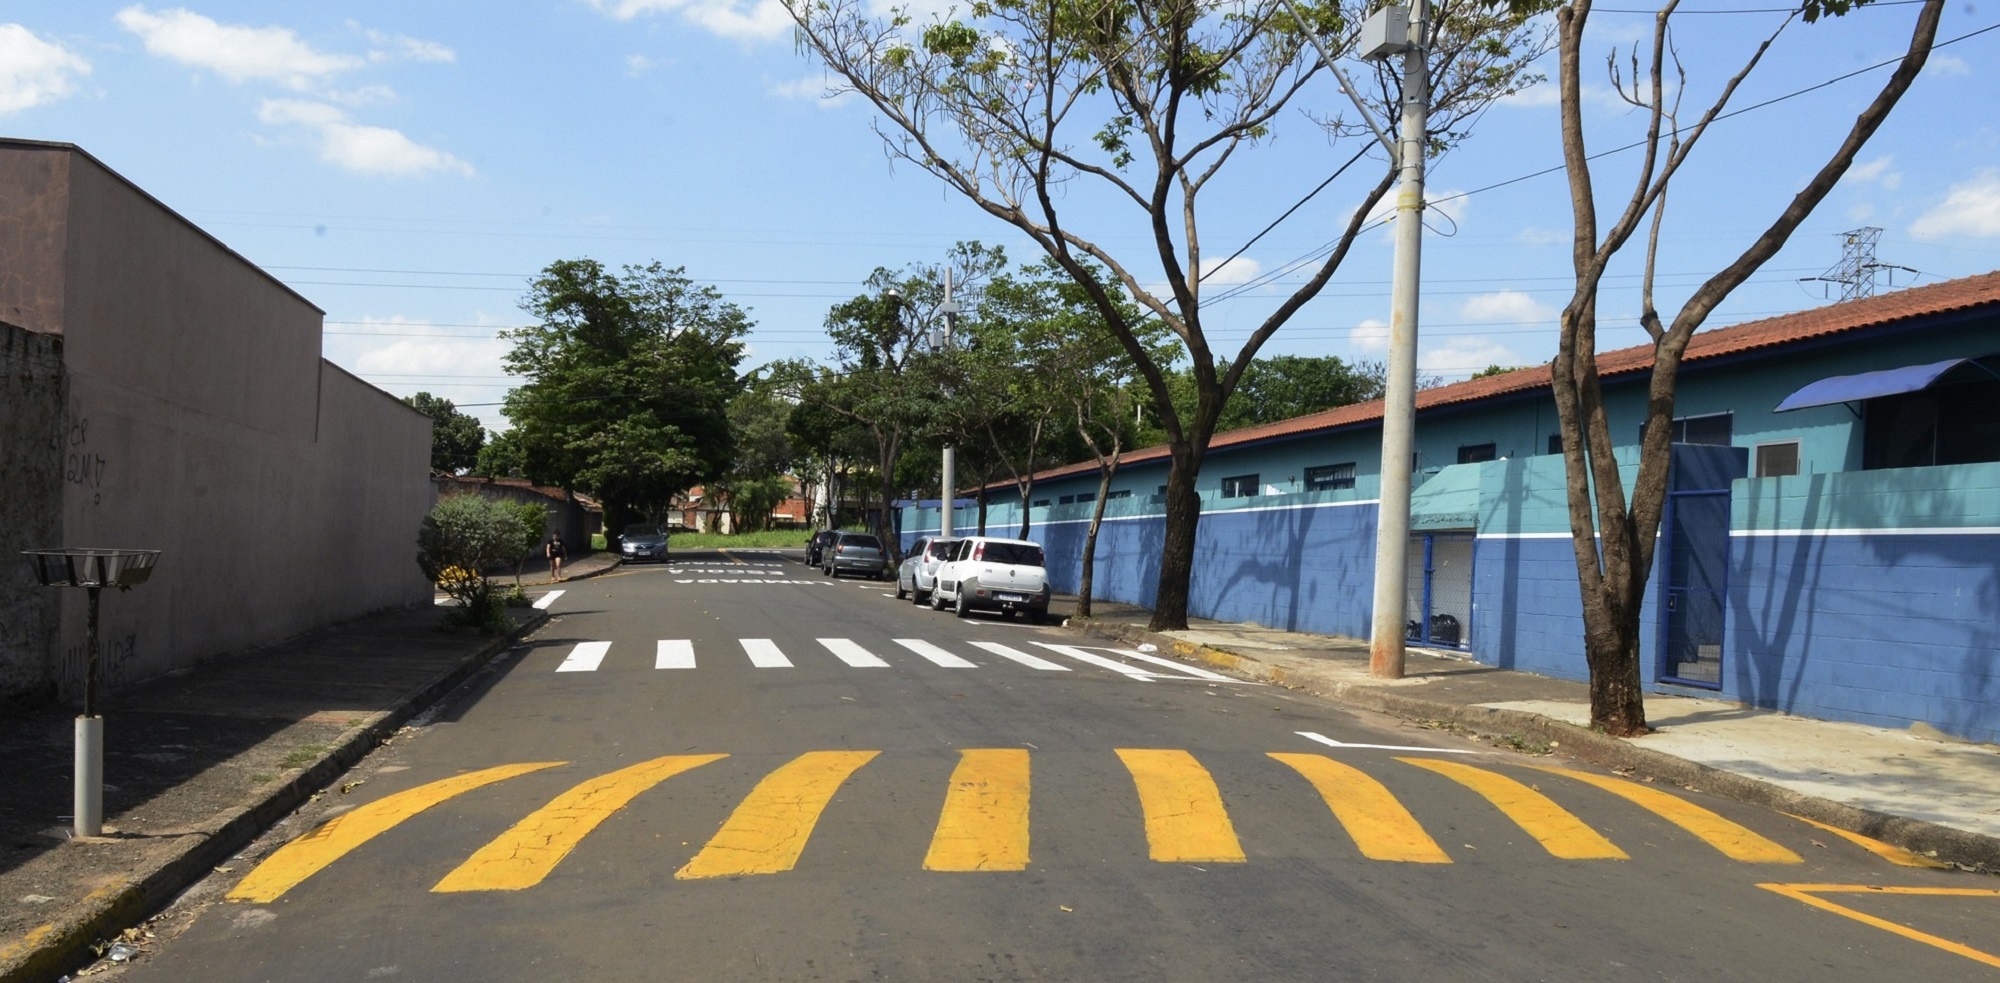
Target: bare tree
pixel 1614 539
pixel 1029 107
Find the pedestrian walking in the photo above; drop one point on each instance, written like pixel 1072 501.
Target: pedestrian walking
pixel 555 551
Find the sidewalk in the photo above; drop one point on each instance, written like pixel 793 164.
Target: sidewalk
pixel 200 762
pixel 1936 797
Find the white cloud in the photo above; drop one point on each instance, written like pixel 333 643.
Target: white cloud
pixel 407 48
pixel 1370 336
pixel 745 19
pixel 1462 356
pixel 1947 66
pixel 360 148
pixel 1532 236
pixel 34 72
pixel 1877 171
pixel 1972 208
pixel 637 65
pixel 1550 94
pixel 449 365
pixel 814 89
pixel 1242 269
pixel 1506 307
pixel 239 54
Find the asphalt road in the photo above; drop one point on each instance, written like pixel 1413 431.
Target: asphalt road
pixel 919 797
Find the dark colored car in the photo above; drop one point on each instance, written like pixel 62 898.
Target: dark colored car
pixel 643 541
pixel 816 547
pixel 855 552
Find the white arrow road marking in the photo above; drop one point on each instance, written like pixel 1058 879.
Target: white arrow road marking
pixel 764 654
pixel 674 653
pixel 935 654
pixel 1330 742
pixel 585 657
pixel 1023 658
pixel 853 654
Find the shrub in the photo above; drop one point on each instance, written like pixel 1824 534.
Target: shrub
pixel 461 538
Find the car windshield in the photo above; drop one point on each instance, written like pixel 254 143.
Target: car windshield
pixel 631 531
pixel 1021 554
pixel 864 542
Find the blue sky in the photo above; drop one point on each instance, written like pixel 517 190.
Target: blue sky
pixel 407 167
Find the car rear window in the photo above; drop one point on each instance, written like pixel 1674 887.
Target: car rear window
pixel 1019 554
pixel 942 548
pixel 865 542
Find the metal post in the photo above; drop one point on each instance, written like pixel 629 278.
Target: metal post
pixel 87 800
pixel 947 485
pixel 1392 526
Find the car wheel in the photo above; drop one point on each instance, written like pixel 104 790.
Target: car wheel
pixel 918 597
pixel 964 608
pixel 900 592
pixel 937 600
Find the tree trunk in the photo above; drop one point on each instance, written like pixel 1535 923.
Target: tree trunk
pixel 1104 473
pixel 1170 601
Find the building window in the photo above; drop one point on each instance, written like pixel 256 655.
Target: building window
pixel 1066 500
pixel 1475 453
pixel 1084 498
pixel 1555 443
pixel 1778 460
pixel 1240 486
pixel 1329 477
pixel 1162 492
pixel 1120 493
pixel 1041 503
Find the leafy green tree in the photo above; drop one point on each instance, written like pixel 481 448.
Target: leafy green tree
pixel 503 456
pixel 534 518
pixel 758 480
pixel 629 378
pixel 1067 118
pixel 456 438
pixel 1613 538
pixel 461 538
pixel 1280 387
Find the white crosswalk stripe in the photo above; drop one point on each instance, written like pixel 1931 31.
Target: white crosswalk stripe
pixel 764 653
pixel 935 654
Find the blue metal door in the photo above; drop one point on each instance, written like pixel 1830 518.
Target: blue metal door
pixel 1694 592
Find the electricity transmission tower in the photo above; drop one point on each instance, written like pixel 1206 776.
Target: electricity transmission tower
pixel 1858 270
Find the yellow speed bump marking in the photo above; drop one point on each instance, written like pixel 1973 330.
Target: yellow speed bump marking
pixel 1894 854
pixel 1555 828
pixel 768 831
pixel 1735 841
pixel 527 853
pixel 1185 820
pixel 984 825
pixel 307 855
pixel 1381 827
pixel 1808 893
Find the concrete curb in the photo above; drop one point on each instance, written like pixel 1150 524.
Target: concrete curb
pixel 1962 847
pixel 65 942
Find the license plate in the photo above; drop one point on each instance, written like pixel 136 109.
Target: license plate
pixel 1010 597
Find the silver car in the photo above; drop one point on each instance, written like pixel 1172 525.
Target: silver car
pixel 855 552
pixel 917 577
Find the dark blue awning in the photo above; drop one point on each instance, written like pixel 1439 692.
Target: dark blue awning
pixel 1870 385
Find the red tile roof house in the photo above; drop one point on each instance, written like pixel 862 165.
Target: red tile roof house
pixel 1833 550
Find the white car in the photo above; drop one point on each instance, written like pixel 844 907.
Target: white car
pixel 918 574
pixel 983 573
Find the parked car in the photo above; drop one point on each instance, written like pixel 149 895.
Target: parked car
pixel 643 541
pixel 855 552
pixel 917 576
pixel 816 547
pixel 983 573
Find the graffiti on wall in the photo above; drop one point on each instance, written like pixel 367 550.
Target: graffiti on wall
pixel 82 466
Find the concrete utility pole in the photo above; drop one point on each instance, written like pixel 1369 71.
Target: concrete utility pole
pixel 947 487
pixel 1399 401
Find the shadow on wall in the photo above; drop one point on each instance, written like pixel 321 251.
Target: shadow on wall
pixel 1876 623
pixel 1301 569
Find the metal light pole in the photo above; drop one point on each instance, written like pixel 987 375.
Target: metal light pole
pixel 1399 404
pixel 93 569
pixel 940 340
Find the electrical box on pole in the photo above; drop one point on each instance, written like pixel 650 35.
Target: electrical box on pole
pixel 1386 32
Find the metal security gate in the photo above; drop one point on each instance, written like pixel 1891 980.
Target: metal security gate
pixel 1693 596
pixel 1440 590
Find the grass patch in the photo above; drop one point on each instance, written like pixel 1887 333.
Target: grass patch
pixel 302 756
pixel 770 539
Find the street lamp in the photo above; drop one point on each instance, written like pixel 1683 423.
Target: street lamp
pixel 93 569
pixel 940 340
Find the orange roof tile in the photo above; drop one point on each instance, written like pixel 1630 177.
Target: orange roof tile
pixel 1903 305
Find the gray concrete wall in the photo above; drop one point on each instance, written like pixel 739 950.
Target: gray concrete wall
pixel 284 493
pixel 31 483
